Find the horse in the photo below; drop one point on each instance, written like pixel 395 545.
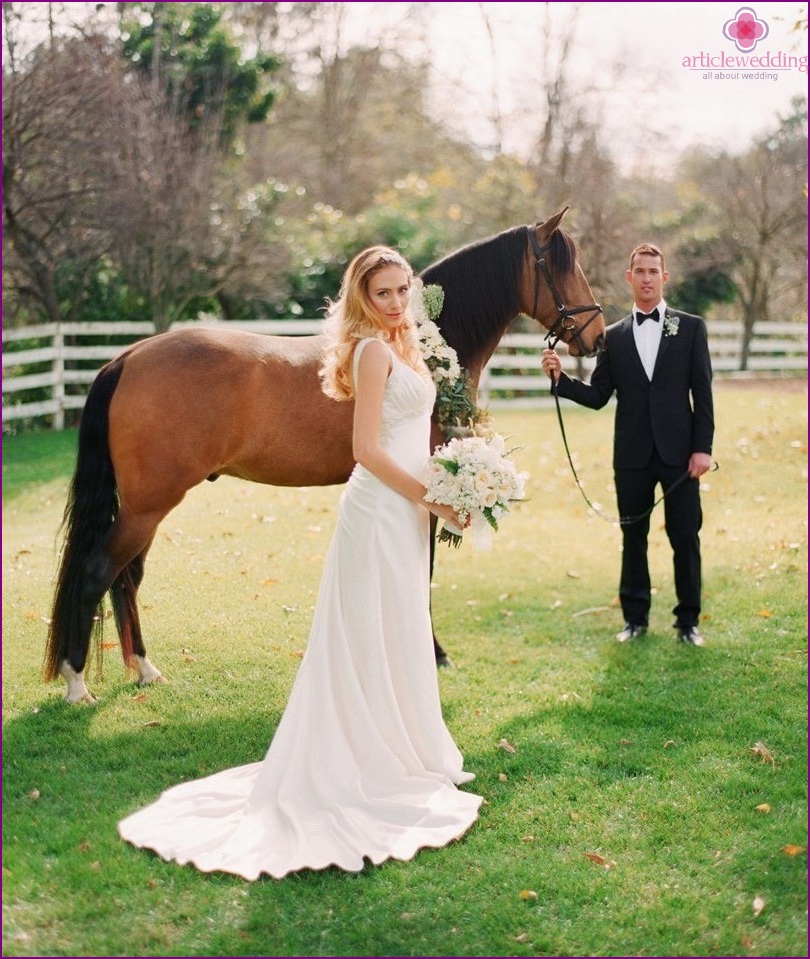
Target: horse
pixel 189 405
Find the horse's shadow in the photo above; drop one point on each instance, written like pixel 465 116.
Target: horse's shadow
pixel 58 758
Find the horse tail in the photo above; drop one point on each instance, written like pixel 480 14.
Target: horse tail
pixel 91 509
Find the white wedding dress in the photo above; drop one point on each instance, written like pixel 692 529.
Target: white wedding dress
pixel 362 765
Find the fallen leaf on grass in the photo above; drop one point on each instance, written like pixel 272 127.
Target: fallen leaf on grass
pixel 521 937
pixel 758 905
pixel 763 807
pixel 139 698
pixel 599 860
pixel 506 745
pixel 760 749
pixel 765 613
pixel 528 894
pixel 34 794
pixel 793 850
pixel 151 724
pixel 502 777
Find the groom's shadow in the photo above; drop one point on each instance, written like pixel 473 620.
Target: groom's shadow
pixel 645 695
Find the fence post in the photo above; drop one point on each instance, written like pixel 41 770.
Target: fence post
pixel 59 378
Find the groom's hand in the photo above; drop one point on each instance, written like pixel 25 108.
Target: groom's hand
pixel 699 463
pixel 551 365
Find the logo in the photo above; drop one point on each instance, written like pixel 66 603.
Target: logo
pixel 745 29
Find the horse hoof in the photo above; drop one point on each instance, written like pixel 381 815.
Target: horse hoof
pixel 444 662
pixel 151 680
pixel 77 691
pixel 85 697
pixel 148 673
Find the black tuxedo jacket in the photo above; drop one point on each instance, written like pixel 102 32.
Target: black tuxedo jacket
pixel 672 413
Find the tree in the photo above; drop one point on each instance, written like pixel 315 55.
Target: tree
pixel 56 123
pixel 188 55
pixel 758 207
pixel 102 174
pixel 707 275
pixel 352 117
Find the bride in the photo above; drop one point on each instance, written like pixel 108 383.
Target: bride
pixel 362 765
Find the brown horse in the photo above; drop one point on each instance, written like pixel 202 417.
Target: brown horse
pixel 194 404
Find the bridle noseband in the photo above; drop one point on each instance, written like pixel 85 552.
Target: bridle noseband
pixel 564 323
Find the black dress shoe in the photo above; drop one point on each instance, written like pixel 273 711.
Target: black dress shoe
pixel 631 631
pixel 690 636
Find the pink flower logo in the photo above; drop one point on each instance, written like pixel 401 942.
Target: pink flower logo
pixel 745 29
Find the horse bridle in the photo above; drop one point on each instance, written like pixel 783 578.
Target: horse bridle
pixel 565 323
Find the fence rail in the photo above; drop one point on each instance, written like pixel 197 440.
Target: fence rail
pixel 64 359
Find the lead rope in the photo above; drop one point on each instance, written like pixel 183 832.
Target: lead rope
pixel 620 520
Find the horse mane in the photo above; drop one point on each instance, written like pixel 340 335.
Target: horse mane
pixel 481 282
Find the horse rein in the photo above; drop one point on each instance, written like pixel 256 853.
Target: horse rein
pixel 564 323
pixel 617 520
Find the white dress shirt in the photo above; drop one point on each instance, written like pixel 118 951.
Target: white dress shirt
pixel 647 336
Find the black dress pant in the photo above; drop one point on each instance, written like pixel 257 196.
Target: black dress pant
pixel 683 518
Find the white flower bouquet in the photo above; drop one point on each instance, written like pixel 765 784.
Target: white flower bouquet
pixel 473 475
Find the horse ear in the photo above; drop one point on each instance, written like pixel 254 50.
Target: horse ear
pixel 545 229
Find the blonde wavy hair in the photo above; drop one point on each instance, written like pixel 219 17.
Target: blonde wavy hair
pixel 351 318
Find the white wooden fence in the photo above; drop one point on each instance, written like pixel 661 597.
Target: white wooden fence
pixel 64 359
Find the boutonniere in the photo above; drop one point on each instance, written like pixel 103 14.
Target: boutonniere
pixel 671 323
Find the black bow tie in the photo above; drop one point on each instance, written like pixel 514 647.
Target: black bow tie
pixel 641 317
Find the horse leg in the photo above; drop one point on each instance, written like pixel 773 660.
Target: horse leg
pixel 135 533
pixel 94 583
pixel 442 659
pixel 128 538
pixel 124 593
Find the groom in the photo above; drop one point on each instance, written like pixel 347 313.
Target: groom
pixel 657 362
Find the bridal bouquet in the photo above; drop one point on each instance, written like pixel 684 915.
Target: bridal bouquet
pixel 473 475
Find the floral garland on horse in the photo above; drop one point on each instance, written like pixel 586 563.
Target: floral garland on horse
pixel 471 472
pixel 457 412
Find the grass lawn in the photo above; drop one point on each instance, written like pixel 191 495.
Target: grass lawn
pixel 655 802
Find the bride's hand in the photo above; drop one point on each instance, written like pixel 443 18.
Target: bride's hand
pixel 449 515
